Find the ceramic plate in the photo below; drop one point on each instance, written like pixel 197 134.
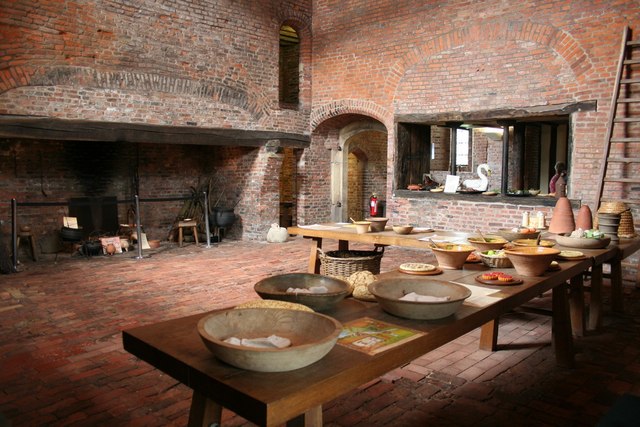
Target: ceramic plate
pixel 570 254
pixel 490 193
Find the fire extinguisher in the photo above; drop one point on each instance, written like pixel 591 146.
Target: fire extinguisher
pixel 373 205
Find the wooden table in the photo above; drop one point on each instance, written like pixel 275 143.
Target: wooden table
pixel 269 399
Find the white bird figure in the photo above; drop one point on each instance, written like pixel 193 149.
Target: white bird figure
pixel 481 184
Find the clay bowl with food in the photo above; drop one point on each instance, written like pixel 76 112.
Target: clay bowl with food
pixel 316 291
pixel 377 224
pixel 452 256
pixel 518 233
pixel 310 337
pixel 582 242
pixel 488 242
pixel 362 227
pixel 495 259
pixel 402 229
pixel 531 260
pixel 534 242
pixel 421 299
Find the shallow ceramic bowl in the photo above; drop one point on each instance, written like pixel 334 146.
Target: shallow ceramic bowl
pixel 389 291
pixel 488 243
pixel 582 242
pixel 512 235
pixel 403 229
pixel 312 336
pixel 362 227
pixel 495 261
pixel 452 256
pixel 534 242
pixel 275 287
pixel 377 224
pixel 534 192
pixel 531 260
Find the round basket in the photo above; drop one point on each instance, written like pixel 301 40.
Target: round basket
pixel 626 227
pixel 346 262
pixel 612 207
pixel 495 261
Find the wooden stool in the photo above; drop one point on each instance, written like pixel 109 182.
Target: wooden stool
pixel 193 224
pixel 32 243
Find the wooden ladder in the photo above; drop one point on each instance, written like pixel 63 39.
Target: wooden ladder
pixel 620 169
pixel 617 181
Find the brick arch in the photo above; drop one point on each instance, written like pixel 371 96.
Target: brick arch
pixel 349 106
pixel 560 42
pixel 137 81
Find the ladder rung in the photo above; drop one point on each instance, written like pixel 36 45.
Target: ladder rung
pixel 633 43
pixel 627 180
pixel 624 159
pixel 628 100
pixel 629 81
pixel 631 61
pixel 627 120
pixel 625 140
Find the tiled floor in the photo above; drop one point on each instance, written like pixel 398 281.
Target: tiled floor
pixel 62 362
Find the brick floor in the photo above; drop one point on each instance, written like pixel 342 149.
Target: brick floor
pixel 62 362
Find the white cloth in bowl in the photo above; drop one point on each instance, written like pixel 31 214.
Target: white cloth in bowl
pixel 310 290
pixel 272 341
pixel 412 296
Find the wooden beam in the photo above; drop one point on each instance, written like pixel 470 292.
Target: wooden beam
pixel 48 128
pixel 491 117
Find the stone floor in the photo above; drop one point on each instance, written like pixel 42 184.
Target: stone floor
pixel 62 361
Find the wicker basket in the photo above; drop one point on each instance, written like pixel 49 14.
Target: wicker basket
pixel 495 261
pixel 345 263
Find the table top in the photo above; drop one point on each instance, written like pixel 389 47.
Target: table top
pixel 175 347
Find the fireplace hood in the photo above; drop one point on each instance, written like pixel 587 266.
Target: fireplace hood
pixel 49 128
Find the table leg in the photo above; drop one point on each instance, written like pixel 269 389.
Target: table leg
pixel 343 245
pixel 311 418
pixel 595 304
pixel 204 412
pixel 576 305
pixel 616 285
pixel 561 327
pixel 314 262
pixel 489 335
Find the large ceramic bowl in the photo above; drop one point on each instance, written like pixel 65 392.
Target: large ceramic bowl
pixel 452 256
pixel 362 227
pixel 389 291
pixel 312 336
pixel 275 287
pixel 531 260
pixel 511 235
pixel 582 242
pixel 489 242
pixel 377 224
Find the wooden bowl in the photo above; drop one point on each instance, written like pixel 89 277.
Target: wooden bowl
pixel 403 229
pixel 377 224
pixel 362 227
pixel 490 242
pixel 534 242
pixel 511 235
pixel 312 336
pixel 531 260
pixel 452 256
pixel 275 288
pixel 582 242
pixel 389 291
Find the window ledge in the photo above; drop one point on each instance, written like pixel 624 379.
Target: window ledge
pixel 479 198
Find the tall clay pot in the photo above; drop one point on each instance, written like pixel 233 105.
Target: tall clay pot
pixel 562 220
pixel 584 219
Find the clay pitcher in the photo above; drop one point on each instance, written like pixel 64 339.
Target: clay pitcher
pixel 584 219
pixel 111 249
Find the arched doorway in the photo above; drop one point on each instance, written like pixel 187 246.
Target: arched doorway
pixel 358 169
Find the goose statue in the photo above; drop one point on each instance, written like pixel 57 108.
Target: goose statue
pixel 481 184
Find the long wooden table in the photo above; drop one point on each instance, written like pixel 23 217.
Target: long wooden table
pixel 269 399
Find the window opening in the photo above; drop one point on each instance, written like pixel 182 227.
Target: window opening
pixel 289 67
